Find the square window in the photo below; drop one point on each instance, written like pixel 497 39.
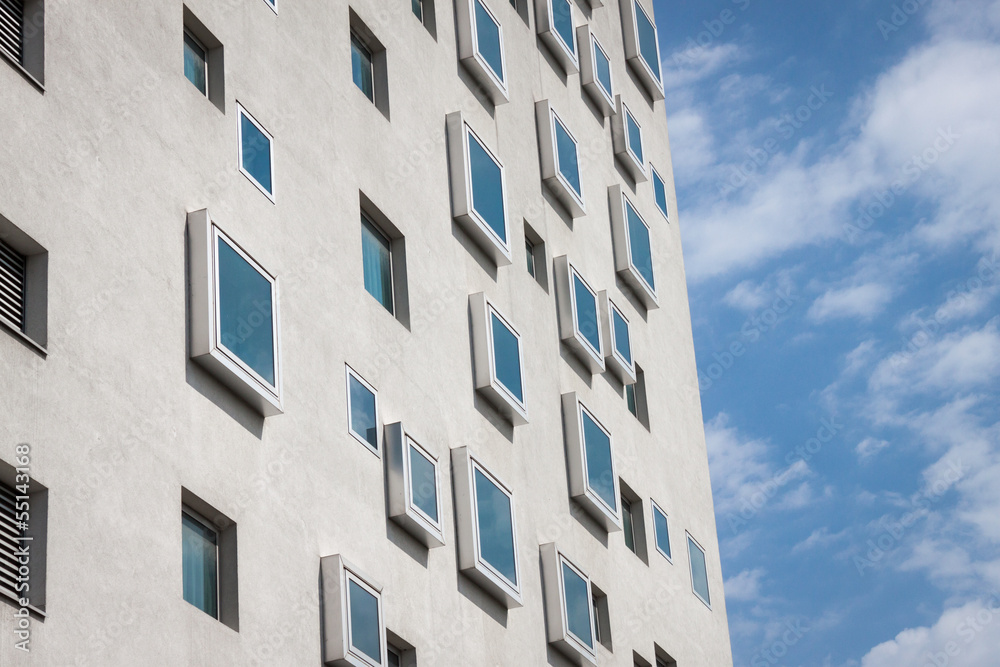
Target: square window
pixel 204 60
pixel 592 479
pixel 361 67
pixel 23 582
pixel 554 19
pixel 659 192
pixel 487 532
pixel 208 560
pixel 22 37
pixel 634 522
pixel 627 140
pixel 617 333
pixel 23 287
pixel 499 363
pixel 560 159
pixel 595 71
pixel 376 253
pixel 699 571
pixel 413 478
pixel 196 62
pixel 362 411
pixel 481 48
pixel 479 202
pixel 661 532
pixel 353 619
pixel 632 246
pixel 255 153
pixel 579 320
pixel 642 48
pixel 569 606
pixel 235 332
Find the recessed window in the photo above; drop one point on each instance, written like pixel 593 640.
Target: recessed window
pixel 635 398
pixel 208 560
pixel 569 607
pixel 593 482
pixel 414 485
pixel 369 68
pixel 22 28
pixel 418 9
pixel 487 530
pixel 481 48
pixel 23 286
pixel 555 25
pixel 478 190
pixel 394 655
pixel 595 71
pixel 20 496
pixel 633 252
pixel 642 49
pixel 627 139
pixel 196 62
pixel 661 531
pixel 618 335
pixel 377 258
pixel 204 61
pixel 560 159
pixel 664 659
pixel 234 316
pixel 353 619
pixel 534 248
pixel 529 253
pixel 633 522
pixel 579 322
pixel 659 193
pixel 362 410
pixel 255 153
pixel 361 67
pixel 627 528
pixel 699 571
pixel 499 366
pixel 602 618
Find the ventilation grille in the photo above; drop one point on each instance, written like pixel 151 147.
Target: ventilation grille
pixel 11 283
pixel 9 532
pixel 11 25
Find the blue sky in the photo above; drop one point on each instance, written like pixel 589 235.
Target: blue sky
pixel 838 179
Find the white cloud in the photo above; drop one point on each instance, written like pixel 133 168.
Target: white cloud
pixel 745 586
pixel 869 447
pixel 862 301
pixel 747 296
pixel 820 538
pixel 691 65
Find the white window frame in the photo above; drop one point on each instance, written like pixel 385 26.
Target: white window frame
pixel 566 54
pixel 556 612
pixel 471 563
pixel 273 5
pixel 201 45
pixel 697 544
pixel 621 239
pixel 656 534
pixel 622 368
pixel 241 112
pixel 398 445
pixel 337 573
pixel 207 348
pixel 468 51
pixel 633 51
pixel 635 167
pixel 459 132
pixel 576 454
pixel 589 45
pixel 569 322
pixel 654 176
pixel 546 119
pixel 484 357
pixel 377 451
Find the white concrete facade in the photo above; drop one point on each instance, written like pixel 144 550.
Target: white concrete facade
pixel 102 168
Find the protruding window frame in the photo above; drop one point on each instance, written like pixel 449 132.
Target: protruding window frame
pixel 337 573
pixel 493 86
pixel 589 46
pixel 484 358
pixel 568 55
pixel 623 369
pixel 552 174
pixel 624 264
pixel 576 453
pixel 399 479
pixel 631 162
pixel 557 612
pixel 566 273
pixel 652 84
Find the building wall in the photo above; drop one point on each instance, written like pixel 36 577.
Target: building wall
pixel 101 170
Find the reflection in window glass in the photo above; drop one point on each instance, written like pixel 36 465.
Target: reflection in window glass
pixel 620 331
pixel 255 150
pixel 496 528
pixel 569 165
pixel 361 67
pixel 627 526
pixel 647 40
pixel 638 239
pixel 699 573
pixel 600 469
pixel 602 65
pixel 529 250
pixel 418 8
pixel 487 188
pixel 562 18
pixel 365 635
pixel 199 552
pixel 245 312
pixel 586 314
pixel 661 531
pixel 377 262
pixel 488 40
pixel 660 194
pixel 423 484
pixel 506 357
pixel 195 63
pixel 363 412
pixel 578 603
pixel 634 136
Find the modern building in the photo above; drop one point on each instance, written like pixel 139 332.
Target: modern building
pixel 347 334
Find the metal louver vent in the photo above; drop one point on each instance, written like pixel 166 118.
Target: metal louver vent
pixel 11 29
pixel 11 283
pixel 9 532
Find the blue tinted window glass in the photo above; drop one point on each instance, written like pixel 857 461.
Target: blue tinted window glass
pixel 621 335
pixel 363 417
pixel 361 67
pixel 638 239
pixel 569 165
pixel 699 573
pixel 630 399
pixel 507 357
pixel 627 529
pixel 423 484
pixel 603 67
pixel 600 469
pixel 578 603
pixel 647 41
pixel 194 63
pixel 365 633
pixel 586 314
pixel 377 264
pixel 662 534
pixel 488 40
pixel 562 18
pixel 418 8
pixel 200 565
pixel 256 151
pixel 487 188
pixel 245 312
pixel 660 194
pixel 496 527
pixel 634 136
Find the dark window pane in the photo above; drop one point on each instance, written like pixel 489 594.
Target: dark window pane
pixel 361 67
pixel 603 67
pixel 647 41
pixel 627 527
pixel 423 484
pixel 245 312
pixel 529 251
pixel 194 63
pixel 488 40
pixel 363 412
pixel 630 400
pixel 394 655
pixel 507 358
pixel 638 237
pixel 487 188
pixel 562 17
pixel 377 263
pixel 586 314
pixel 660 194
pixel 578 603
pixel 365 633
pixel 256 153
pixel 621 335
pixel 597 620
pixel 662 535
pixel 496 527
pixel 600 469
pixel 634 136
pixel 418 8
pixel 200 565
pixel 569 165
pixel 699 574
